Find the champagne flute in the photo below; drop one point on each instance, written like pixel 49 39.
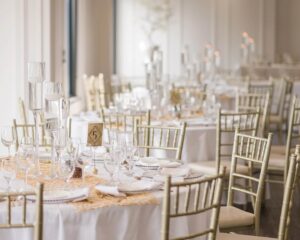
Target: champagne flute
pixel 36 73
pixel 7 138
pixel 60 142
pixel 52 95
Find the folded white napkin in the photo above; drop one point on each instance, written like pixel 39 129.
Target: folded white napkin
pixel 175 172
pixel 110 190
pixel 153 162
pixel 170 165
pixel 139 186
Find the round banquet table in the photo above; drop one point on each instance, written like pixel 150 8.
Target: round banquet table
pixel 199 143
pixel 131 222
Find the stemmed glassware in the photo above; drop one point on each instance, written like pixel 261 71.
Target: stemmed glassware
pixel 112 163
pixel 7 138
pixel 25 156
pixel 52 113
pixel 36 75
pixel 60 142
pixel 7 172
pixel 66 166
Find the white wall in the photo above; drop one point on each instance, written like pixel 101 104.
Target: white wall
pixel 195 23
pixel 25 36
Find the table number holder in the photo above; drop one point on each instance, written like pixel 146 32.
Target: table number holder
pixel 94 139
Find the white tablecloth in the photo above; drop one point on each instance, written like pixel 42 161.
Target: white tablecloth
pixel 199 144
pixel 135 222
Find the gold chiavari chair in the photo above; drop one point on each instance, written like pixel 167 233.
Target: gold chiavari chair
pixel 96 95
pixel 250 101
pixel 90 92
pixel 261 88
pixel 28 130
pixel 123 122
pixel 247 122
pixel 279 163
pixel 250 150
pixel 286 113
pixel 22 110
pixel 102 94
pixel 288 197
pixel 207 198
pixel 187 92
pixel 38 223
pixel 118 89
pixel 163 138
pixel 278 105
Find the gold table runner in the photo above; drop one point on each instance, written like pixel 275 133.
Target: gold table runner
pixel 95 199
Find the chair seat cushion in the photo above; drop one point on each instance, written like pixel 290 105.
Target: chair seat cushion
pixel 233 236
pixel 278 149
pixel 209 167
pixel 275 119
pixel 233 217
pixel 276 162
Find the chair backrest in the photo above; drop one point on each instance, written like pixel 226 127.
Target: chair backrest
pixel 90 92
pixel 187 92
pixel 293 135
pixel 38 223
pixel 22 110
pixel 261 88
pixel 250 101
pixel 279 93
pixel 178 202
pixel 164 138
pixel 249 150
pixel 289 190
pixel 247 122
pixel 28 130
pixel 123 122
pixel 95 92
pixel 288 99
pixel 102 94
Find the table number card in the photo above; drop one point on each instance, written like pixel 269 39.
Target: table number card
pixel 94 137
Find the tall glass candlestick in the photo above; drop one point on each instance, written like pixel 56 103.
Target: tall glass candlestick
pixel 36 74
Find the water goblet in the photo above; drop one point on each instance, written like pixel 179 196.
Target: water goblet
pixel 25 156
pixel 66 166
pixel 7 138
pixel 8 172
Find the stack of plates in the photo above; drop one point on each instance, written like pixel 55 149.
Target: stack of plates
pixel 153 163
pixel 63 196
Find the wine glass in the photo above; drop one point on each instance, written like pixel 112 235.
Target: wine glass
pixel 7 138
pixel 66 166
pixel 8 173
pixel 84 159
pixel 60 142
pixel 112 164
pixel 25 156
